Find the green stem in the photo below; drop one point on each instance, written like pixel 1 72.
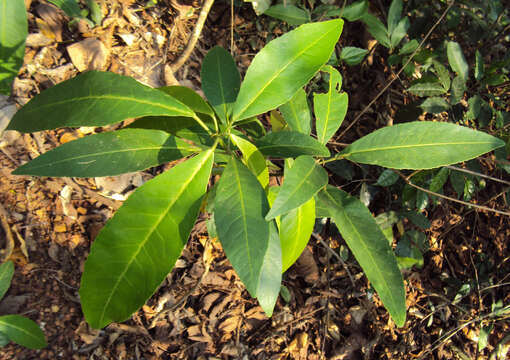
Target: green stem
pixel 201 123
pixel 334 158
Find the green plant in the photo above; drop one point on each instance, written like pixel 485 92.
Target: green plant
pixel 13 33
pixel 17 328
pixel 262 229
pixel 92 14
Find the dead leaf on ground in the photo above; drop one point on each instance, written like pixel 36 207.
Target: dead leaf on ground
pixel 50 22
pixel 307 267
pixel 89 54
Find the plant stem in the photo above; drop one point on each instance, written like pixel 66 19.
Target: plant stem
pixel 201 123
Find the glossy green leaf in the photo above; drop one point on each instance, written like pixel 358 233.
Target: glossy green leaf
pixel 22 331
pixel 439 179
pixel 139 245
pixel 94 99
pixel 420 145
pixel 355 11
pixel 443 75
pixel 302 181
pixel 399 32
pixel 330 108
pixel 435 105
pixel 457 60
pixel 220 81
pixel 291 14
pixel 253 158
pixel 95 12
pixel 409 47
pixel 109 154
pixel 457 90
pixel 377 29
pixel 284 66
pixel 290 144
pixel 295 230
pixel 250 242
pixel 370 248
pixel 297 113
pixel 394 15
pixel 6 273
pixel 13 32
pixel 427 89
pixel 387 178
pixel 189 98
pixel 70 7
pixel 277 121
pixel 252 127
pixel 4 340
pixel 353 55
pixel 182 127
pixel 479 66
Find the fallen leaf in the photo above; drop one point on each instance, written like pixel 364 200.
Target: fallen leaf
pixel 88 54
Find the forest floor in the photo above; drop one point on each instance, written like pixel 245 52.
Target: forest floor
pixel 202 310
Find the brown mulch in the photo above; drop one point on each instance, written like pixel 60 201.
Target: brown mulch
pixel 202 310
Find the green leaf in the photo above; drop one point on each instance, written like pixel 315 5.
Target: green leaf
pixel 458 89
pixel 277 121
pixel 439 179
pixel 377 29
pixel 302 181
pixel 330 108
pixel 443 75
pixel 427 89
pixel 295 230
pixel 284 66
pixel 352 55
pixel 189 98
pixel 4 340
pixel 95 12
pixel 400 31
pixel 291 14
pixel 435 105
pixel 355 11
pixel 290 144
pixel 260 6
pixel 139 245
pixel 457 60
pixel 387 178
pixel 370 248
pixel 250 242
pixel 417 219
pixel 70 7
pixel 394 15
pixel 94 99
pixel 253 158
pixel 220 81
pixel 13 32
pixel 22 331
pixel 479 66
pixel 409 47
pixel 109 154
pixel 183 127
pixel 297 113
pixel 420 145
pixel 6 273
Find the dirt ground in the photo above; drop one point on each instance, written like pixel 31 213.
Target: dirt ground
pixel 202 310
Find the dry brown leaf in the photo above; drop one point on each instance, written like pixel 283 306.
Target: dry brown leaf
pixel 86 334
pixel 307 267
pixel 298 348
pixel 50 21
pixel 89 54
pixel 209 300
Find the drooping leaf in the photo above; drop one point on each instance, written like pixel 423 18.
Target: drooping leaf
pixel 6 273
pixel 291 14
pixel 109 154
pixel 479 66
pixel 297 113
pixel 353 55
pixel 250 242
pixel 189 98
pixel 399 32
pixel 70 7
pixel 253 158
pixel 284 66
pixel 394 15
pixel 420 145
pixel 139 245
pixel 457 60
pixel 302 181
pixel 355 11
pixel 22 331
pixel 435 105
pixel 13 32
pixel 94 99
pixel 290 144
pixel 427 89
pixel 370 248
pixel 377 29
pixel 295 230
pixel 330 108
pixel 220 81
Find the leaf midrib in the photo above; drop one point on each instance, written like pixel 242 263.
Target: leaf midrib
pixel 270 81
pixel 7 324
pixel 151 230
pixel 398 147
